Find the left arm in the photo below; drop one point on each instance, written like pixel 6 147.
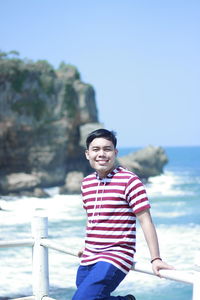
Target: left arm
pixel 151 238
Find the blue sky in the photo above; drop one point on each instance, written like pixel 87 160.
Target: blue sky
pixel 142 58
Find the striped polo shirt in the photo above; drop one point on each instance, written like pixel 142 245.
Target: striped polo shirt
pixel 111 204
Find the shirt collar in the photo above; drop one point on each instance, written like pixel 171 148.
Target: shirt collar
pixel 109 175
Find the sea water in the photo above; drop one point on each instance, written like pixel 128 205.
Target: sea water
pixel 175 201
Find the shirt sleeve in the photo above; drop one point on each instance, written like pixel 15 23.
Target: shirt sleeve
pixel 136 195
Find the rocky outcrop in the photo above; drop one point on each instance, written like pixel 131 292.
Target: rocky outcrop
pixel 42 111
pixel 72 183
pixel 146 162
pixel 45 115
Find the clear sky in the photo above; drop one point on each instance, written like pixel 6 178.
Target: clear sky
pixel 142 58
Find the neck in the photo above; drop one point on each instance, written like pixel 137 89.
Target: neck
pixel 104 174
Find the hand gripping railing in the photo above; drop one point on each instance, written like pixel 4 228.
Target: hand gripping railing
pixel 40 275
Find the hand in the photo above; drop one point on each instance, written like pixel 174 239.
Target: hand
pixel 80 252
pixel 158 265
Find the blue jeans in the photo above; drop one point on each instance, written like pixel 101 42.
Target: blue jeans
pixel 98 281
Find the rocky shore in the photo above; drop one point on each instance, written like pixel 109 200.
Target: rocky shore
pixel 45 115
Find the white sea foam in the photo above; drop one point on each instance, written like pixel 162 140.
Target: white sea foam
pixel 168 184
pixel 56 207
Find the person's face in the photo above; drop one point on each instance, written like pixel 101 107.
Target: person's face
pixel 101 155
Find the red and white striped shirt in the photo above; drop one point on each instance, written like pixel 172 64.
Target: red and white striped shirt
pixel 112 204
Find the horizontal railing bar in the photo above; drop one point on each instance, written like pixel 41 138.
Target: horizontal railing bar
pixel 25 298
pixel 16 243
pixel 181 276
pixel 52 245
pixel 33 298
pixel 177 275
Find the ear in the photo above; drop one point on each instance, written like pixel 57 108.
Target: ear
pixel 116 152
pixel 87 154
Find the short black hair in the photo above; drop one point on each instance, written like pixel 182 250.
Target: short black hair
pixel 101 133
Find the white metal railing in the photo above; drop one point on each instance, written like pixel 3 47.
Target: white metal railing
pixel 40 264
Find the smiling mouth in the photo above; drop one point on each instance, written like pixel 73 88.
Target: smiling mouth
pixel 102 161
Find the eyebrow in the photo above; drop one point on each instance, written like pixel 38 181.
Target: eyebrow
pixel 105 147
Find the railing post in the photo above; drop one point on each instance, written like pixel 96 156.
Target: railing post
pixel 196 287
pixel 40 258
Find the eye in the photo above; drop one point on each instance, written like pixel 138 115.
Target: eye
pixel 107 149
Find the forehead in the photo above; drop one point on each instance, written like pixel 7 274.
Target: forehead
pixel 101 142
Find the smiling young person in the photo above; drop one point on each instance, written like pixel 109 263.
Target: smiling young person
pixel 113 198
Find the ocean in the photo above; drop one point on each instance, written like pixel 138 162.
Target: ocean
pixel 175 202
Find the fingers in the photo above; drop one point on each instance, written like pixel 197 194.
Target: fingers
pixel 80 253
pixel 156 271
pixel 160 265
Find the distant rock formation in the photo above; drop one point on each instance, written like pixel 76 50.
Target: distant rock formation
pixel 45 115
pixel 146 162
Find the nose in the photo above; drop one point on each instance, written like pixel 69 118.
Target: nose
pixel 101 152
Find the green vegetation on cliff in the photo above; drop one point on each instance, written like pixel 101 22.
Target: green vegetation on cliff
pixel 16 71
pixel 70 100
pixel 35 85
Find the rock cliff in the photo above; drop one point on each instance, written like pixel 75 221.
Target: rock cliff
pixel 45 115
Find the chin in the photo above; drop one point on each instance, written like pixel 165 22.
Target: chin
pixel 104 170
